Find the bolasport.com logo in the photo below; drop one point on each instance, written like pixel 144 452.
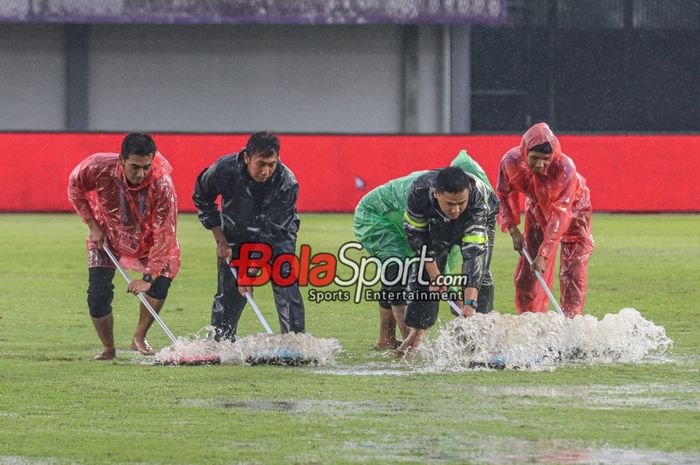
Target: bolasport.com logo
pixel 357 276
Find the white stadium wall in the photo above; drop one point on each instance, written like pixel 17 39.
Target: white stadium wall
pixel 32 77
pixel 222 78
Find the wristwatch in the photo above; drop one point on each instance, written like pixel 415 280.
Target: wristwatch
pixel 148 278
pixel 471 302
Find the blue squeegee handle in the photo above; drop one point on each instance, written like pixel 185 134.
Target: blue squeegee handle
pixel 150 309
pixel 252 304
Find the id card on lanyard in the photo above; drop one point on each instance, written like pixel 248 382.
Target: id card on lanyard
pixel 130 237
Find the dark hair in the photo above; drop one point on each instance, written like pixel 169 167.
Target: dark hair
pixel 542 148
pixel 452 180
pixel 263 143
pixel 138 143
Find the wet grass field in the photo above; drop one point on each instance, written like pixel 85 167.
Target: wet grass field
pixel 59 407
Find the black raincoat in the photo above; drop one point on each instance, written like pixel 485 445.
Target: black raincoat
pixel 425 224
pixel 251 211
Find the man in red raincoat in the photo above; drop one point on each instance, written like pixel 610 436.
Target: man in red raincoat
pixel 128 201
pixel 557 210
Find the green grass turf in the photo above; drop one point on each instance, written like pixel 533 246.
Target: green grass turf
pixel 57 406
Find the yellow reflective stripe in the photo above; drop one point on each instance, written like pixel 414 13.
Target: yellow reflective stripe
pixel 475 239
pixel 415 224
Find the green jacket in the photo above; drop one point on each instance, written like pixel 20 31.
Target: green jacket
pixel 378 223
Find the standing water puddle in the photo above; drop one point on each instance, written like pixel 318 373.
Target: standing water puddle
pixel 480 450
pixel 367 369
pixel 507 452
pixel 310 406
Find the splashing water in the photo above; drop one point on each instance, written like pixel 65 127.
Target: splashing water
pixel 276 349
pixel 538 341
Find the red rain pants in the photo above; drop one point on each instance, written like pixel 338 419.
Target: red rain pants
pixel 573 270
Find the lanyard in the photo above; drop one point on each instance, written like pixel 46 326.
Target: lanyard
pixel 127 202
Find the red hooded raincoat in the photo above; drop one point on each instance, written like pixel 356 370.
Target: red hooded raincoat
pixel 557 209
pixel 139 222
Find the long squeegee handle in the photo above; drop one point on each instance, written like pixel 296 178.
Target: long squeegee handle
pixel 252 304
pixel 456 310
pixel 153 313
pixel 544 284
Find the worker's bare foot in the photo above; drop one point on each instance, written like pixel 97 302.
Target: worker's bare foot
pixel 142 345
pixel 396 353
pixel 107 354
pixel 387 344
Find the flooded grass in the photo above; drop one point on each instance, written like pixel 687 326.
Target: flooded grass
pixel 504 451
pixel 480 451
pixel 639 405
pixel 310 406
pixel 386 368
pixel 14 460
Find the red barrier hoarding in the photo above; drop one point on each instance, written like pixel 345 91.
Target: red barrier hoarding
pixel 630 173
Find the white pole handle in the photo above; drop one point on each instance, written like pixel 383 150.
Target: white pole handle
pixel 252 304
pixel 544 284
pixel 456 308
pixel 153 313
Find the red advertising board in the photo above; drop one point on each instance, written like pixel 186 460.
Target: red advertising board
pixel 626 173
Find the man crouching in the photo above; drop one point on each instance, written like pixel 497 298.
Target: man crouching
pixel 448 207
pixel 127 200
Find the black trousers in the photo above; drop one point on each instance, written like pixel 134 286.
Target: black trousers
pixel 101 290
pixel 392 273
pixel 229 303
pixel 422 314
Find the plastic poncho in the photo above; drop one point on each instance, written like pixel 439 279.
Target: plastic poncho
pixel 378 223
pixel 557 209
pixel 139 222
pixel 250 211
